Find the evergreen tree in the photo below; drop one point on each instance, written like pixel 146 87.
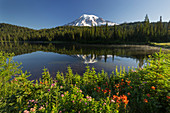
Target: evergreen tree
pixel 146 19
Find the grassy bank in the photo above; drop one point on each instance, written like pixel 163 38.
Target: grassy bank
pixel 140 90
pixel 164 45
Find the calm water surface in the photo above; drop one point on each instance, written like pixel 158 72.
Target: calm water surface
pixel 57 57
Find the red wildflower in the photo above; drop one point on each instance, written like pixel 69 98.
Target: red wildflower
pixel 99 88
pixel 105 91
pixel 148 95
pixel 122 83
pixel 168 97
pixel 122 80
pixel 128 93
pixel 107 88
pixel 145 100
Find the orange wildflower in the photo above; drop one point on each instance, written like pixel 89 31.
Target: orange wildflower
pixel 122 80
pixel 117 93
pixel 145 100
pixel 168 97
pixel 153 87
pixel 41 82
pixel 94 88
pixel 128 93
pixel 117 85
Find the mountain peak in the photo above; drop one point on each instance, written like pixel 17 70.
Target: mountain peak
pixel 88 20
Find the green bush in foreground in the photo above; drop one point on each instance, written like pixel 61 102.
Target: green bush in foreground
pixel 140 90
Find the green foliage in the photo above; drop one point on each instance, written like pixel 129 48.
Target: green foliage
pixel 143 32
pixel 141 90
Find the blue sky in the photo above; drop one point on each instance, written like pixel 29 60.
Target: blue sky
pixel 40 14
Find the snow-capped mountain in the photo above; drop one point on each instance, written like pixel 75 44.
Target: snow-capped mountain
pixel 88 20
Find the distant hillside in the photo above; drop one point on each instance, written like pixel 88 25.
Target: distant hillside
pixel 123 33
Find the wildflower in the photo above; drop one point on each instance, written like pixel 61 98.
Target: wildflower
pixel 60 112
pixel 80 91
pixel 100 108
pixel 73 101
pixel 61 87
pixel 121 83
pixel 153 87
pixel 112 101
pixel 109 90
pixel 145 100
pixel 35 102
pixel 25 111
pixel 94 88
pixel 104 103
pixel 85 103
pixel 48 89
pixel 32 101
pixel 41 108
pixel 168 97
pixel 117 86
pixel 99 88
pixel 52 84
pixel 15 79
pixel 148 95
pixel 144 82
pixel 128 93
pixel 105 91
pixel 122 80
pixel 87 97
pixel 62 95
pixel 117 93
pixel 32 109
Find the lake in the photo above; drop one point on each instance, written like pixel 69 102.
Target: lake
pixel 58 56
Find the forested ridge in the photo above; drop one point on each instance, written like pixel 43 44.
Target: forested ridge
pixel 123 33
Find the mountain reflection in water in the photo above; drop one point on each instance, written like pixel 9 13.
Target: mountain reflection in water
pixel 57 57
